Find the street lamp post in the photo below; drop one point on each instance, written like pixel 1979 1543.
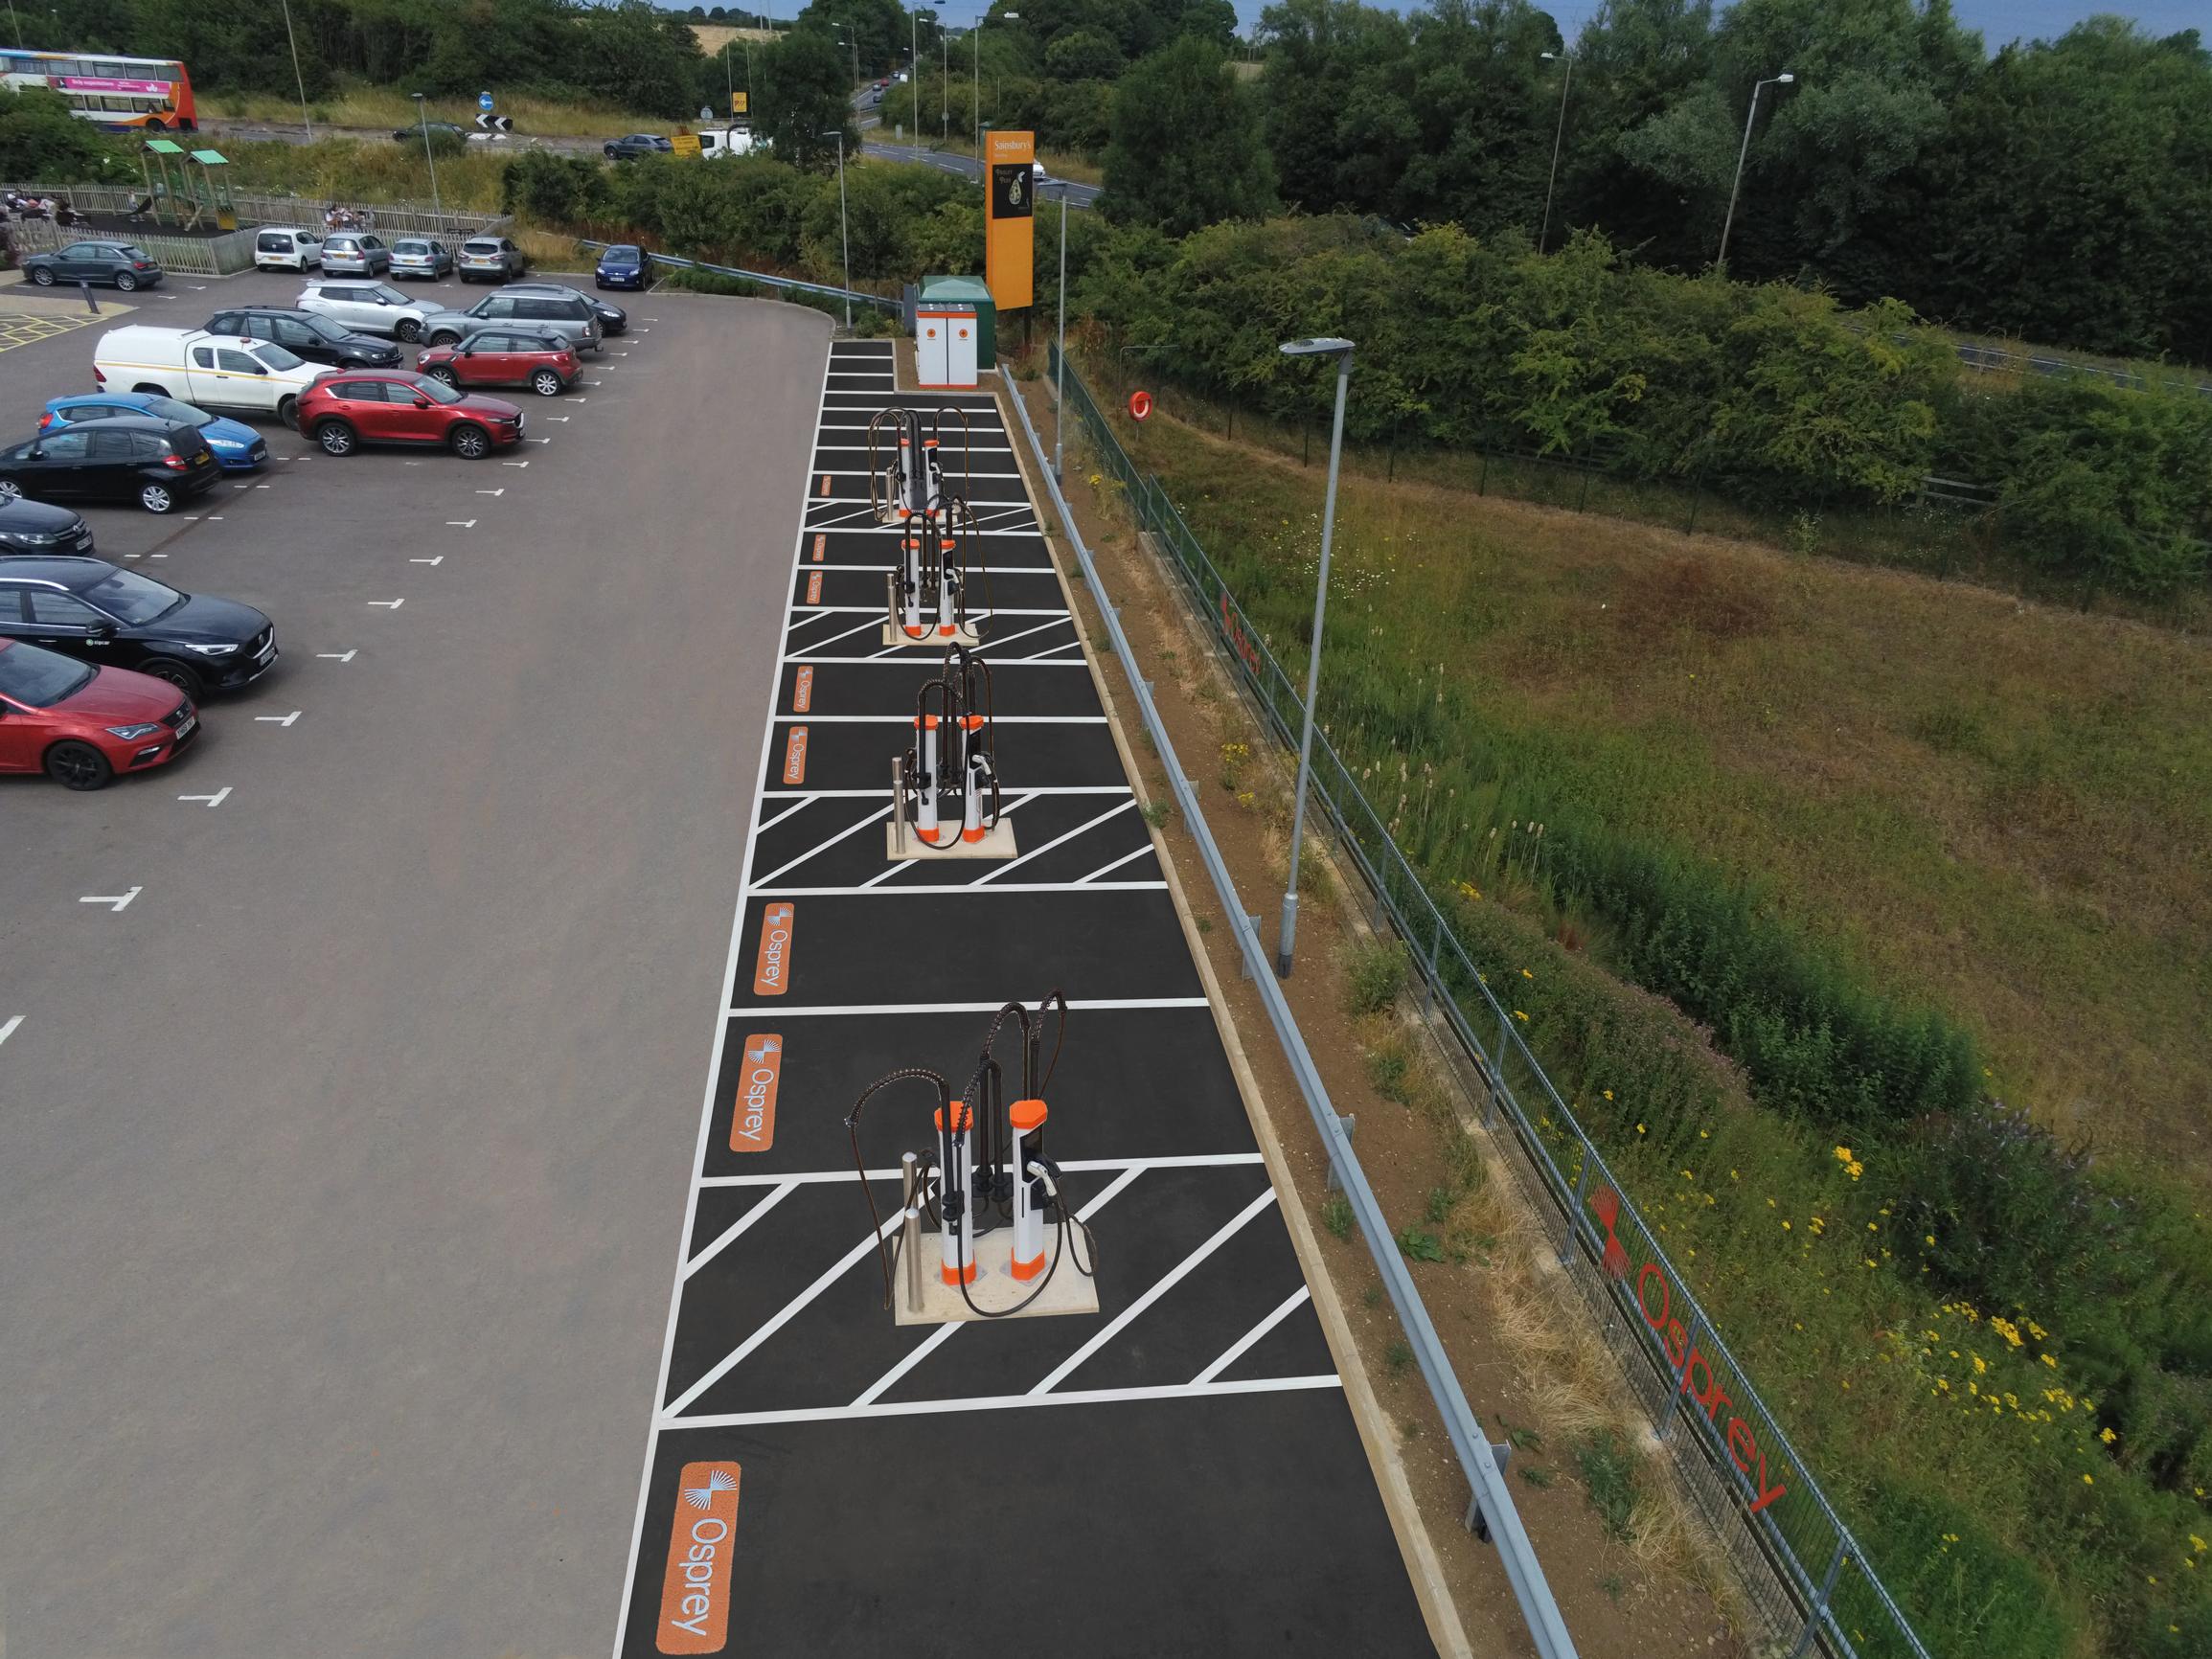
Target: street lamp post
pixel 844 235
pixel 1559 133
pixel 298 79
pixel 1060 367
pixel 422 118
pixel 1727 224
pixel 1342 350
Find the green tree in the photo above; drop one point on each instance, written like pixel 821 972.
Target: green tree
pixel 804 93
pixel 40 142
pixel 1083 54
pixel 1187 147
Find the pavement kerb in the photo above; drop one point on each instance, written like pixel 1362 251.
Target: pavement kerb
pixel 1425 1570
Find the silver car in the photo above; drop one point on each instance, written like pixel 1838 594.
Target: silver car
pixel 491 260
pixel 373 309
pixel 356 252
pixel 420 257
pixel 569 315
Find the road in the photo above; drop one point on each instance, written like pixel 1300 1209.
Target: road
pixel 340 1168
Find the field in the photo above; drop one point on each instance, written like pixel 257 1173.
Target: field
pixel 355 105
pixel 1939 795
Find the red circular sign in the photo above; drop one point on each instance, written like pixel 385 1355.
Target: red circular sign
pixel 1140 404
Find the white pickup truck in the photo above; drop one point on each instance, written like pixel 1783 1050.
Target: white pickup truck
pixel 213 371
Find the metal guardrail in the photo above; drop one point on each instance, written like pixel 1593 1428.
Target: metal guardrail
pixel 1493 1501
pixel 1790 1545
pixel 882 302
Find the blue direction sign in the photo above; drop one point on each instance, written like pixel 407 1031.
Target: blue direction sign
pixel 484 102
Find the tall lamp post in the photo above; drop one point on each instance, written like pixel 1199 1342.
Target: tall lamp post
pixel 1342 350
pixel 1060 367
pixel 298 79
pixel 844 235
pixel 1559 133
pixel 1727 224
pixel 422 120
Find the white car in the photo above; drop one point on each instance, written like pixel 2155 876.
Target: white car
pixel 286 248
pixel 370 307
pixel 212 371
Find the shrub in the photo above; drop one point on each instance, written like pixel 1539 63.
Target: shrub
pixel 1374 971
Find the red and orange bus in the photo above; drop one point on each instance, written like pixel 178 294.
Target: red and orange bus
pixel 122 93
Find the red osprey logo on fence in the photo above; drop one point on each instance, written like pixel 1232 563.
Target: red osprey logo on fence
pixel 1689 1361
pixel 1240 642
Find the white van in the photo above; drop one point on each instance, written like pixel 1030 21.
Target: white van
pixel 736 140
pixel 214 371
pixel 286 248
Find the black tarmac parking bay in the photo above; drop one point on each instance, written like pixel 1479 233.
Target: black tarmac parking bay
pixel 1177 1474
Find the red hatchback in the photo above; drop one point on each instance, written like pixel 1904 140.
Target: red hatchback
pixel 81 724
pixel 348 408
pixel 544 363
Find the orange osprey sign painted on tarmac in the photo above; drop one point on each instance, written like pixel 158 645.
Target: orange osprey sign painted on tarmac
pixel 772 971
pixel 753 1129
pixel 695 1598
pixel 1008 225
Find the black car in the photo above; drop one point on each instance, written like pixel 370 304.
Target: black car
pixel 309 335
pixel 125 264
pixel 99 613
pixel 612 318
pixel 33 527
pixel 157 464
pixel 632 145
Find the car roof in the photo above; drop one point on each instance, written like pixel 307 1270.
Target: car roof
pixel 72 571
pixel 408 374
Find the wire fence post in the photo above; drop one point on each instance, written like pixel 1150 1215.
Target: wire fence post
pixel 1820 1601
pixel 1435 948
pixel 1582 1189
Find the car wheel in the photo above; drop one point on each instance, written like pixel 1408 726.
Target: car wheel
pixel 77 765
pixel 471 443
pixel 288 412
pixel 545 383
pixel 408 329
pixel 156 497
pixel 335 437
pixel 43 277
pixel 126 282
pixel 10 490
pixel 447 376
pixel 175 673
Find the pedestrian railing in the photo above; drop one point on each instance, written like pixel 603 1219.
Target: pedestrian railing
pixel 1799 1562
pixel 384 219
pixel 1491 1513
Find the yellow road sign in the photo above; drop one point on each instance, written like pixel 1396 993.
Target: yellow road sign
pixel 685 144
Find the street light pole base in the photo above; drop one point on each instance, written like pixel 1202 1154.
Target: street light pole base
pixel 1282 964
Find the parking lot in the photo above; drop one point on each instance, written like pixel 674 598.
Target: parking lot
pixel 337 1163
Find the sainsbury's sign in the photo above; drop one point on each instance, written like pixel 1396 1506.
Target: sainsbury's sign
pixel 1692 1365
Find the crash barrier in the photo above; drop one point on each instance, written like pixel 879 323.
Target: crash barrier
pixel 1805 1573
pixel 1491 1512
pixel 881 302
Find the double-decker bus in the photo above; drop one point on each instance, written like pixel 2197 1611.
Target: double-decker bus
pixel 122 93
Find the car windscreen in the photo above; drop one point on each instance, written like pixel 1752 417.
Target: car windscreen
pixel 436 390
pixel 40 678
pixel 276 356
pixel 169 409
pixel 621 253
pixel 390 296
pixel 321 326
pixel 131 597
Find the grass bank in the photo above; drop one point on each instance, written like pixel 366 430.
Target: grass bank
pixel 1949 824
pixel 354 103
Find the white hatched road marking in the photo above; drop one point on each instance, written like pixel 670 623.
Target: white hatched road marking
pixel 1009 1402
pixel 1244 1344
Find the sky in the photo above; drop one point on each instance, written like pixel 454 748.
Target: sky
pixel 1999 20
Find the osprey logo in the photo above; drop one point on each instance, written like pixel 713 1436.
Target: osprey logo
pixel 753 1126
pixel 695 1599
pixel 772 971
pixel 1606 1203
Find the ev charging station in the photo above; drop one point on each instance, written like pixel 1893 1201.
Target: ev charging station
pixel 986 1229
pixel 926 594
pixel 944 797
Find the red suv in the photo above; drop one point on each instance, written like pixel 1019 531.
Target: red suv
pixel 504 357
pixel 348 408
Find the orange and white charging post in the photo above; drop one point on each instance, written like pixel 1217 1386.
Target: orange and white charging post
pixel 926 593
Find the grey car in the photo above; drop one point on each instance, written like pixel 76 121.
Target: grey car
pixel 374 308
pixel 491 260
pixel 613 320
pixel 420 257
pixel 568 316
pixel 125 264
pixel 356 252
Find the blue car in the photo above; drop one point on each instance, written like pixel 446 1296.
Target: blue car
pixel 621 266
pixel 236 448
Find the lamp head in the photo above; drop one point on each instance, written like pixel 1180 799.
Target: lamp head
pixel 1783 78
pixel 1327 345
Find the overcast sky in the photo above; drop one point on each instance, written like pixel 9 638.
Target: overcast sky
pixel 1999 20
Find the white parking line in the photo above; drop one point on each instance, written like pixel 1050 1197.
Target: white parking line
pixel 9 1030
pixel 874 1010
pixel 277 719
pixel 1003 1402
pixel 882 811
pixel 337 657
pixel 388 603
pixel 1237 1349
pixel 214 800
pixel 117 903
pixel 996 870
pixel 1071 1166
pixel 739 1226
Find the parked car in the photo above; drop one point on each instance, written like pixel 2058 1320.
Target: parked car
pixel 613 320
pixel 34 527
pixel 420 257
pixel 123 264
pixel 435 128
pixel 157 464
pixel 390 406
pixel 494 357
pixel 97 612
pixel 620 266
pixel 208 371
pixel 570 315
pixel 81 724
pixel 370 307
pixel 286 248
pixel 308 336
pixel 490 258
pixel 632 145
pixel 355 252
pixel 238 447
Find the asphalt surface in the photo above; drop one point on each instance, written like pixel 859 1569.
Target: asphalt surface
pixel 1169 1469
pixel 339 1168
